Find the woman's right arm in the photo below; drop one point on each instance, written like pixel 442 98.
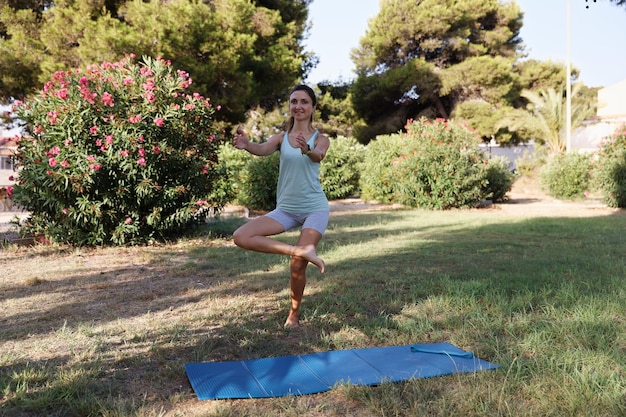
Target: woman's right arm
pixel 259 149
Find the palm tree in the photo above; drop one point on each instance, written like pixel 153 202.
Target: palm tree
pixel 545 116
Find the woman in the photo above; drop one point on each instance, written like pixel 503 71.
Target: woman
pixel 300 198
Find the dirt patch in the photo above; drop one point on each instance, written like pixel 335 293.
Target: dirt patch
pixel 526 198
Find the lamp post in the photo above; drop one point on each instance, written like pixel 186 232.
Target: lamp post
pixel 568 83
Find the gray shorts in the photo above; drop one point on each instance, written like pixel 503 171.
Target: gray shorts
pixel 316 220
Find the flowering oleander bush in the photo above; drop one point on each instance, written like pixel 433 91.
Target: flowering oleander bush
pixel 610 168
pixel 434 165
pixel 119 153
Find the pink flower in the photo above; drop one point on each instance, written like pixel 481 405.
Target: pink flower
pixel 124 153
pixel 142 152
pixel 38 129
pixel 93 130
pixel 107 99
pixel 219 107
pixel 10 191
pixel 11 178
pixel 141 161
pixel 64 211
pixel 190 106
pixel 128 81
pixel 90 158
pixel 135 119
pixel 65 164
pixel 109 139
pixel 149 85
pixel 52 162
pixel 62 93
pixel 53 151
pixel 201 202
pixel 128 220
pixel 87 94
pixel 48 86
pixel 156 150
pixel 95 167
pixel 53 116
pixel 158 121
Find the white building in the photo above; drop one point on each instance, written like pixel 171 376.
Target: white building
pixel 8 146
pixel 611 114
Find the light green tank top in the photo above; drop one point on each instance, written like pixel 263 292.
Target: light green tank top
pixel 299 189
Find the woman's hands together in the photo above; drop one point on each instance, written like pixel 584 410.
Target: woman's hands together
pixel 301 143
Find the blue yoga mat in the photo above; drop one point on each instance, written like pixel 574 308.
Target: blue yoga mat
pixel 319 372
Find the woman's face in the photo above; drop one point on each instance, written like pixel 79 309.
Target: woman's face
pixel 300 105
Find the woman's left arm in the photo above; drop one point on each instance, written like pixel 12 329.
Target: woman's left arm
pixel 322 143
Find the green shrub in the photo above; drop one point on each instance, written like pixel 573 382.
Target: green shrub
pixel 257 190
pixel 341 169
pixel 500 179
pixel 567 176
pixel 235 162
pixel 610 169
pixel 434 165
pixel 254 179
pixel 378 177
pixel 119 154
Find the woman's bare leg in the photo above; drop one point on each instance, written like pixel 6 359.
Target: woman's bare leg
pixel 254 236
pixel 308 238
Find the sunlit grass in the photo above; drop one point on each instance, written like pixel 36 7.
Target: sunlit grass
pixel 108 331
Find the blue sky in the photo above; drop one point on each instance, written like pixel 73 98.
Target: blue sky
pixel 597 35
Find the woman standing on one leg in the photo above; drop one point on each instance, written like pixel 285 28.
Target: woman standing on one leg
pixel 300 198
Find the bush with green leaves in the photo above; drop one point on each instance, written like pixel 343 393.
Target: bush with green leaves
pixel 379 175
pixel 258 182
pixel 500 179
pixel 434 165
pixel 235 162
pixel 119 153
pixel 254 179
pixel 341 169
pixel 567 175
pixel 610 168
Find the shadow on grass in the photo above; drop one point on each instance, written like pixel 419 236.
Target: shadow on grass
pixel 378 264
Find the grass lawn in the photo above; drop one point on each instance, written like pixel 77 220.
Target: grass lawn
pixel 106 332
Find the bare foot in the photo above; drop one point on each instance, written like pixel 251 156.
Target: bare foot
pixel 308 253
pixel 293 322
